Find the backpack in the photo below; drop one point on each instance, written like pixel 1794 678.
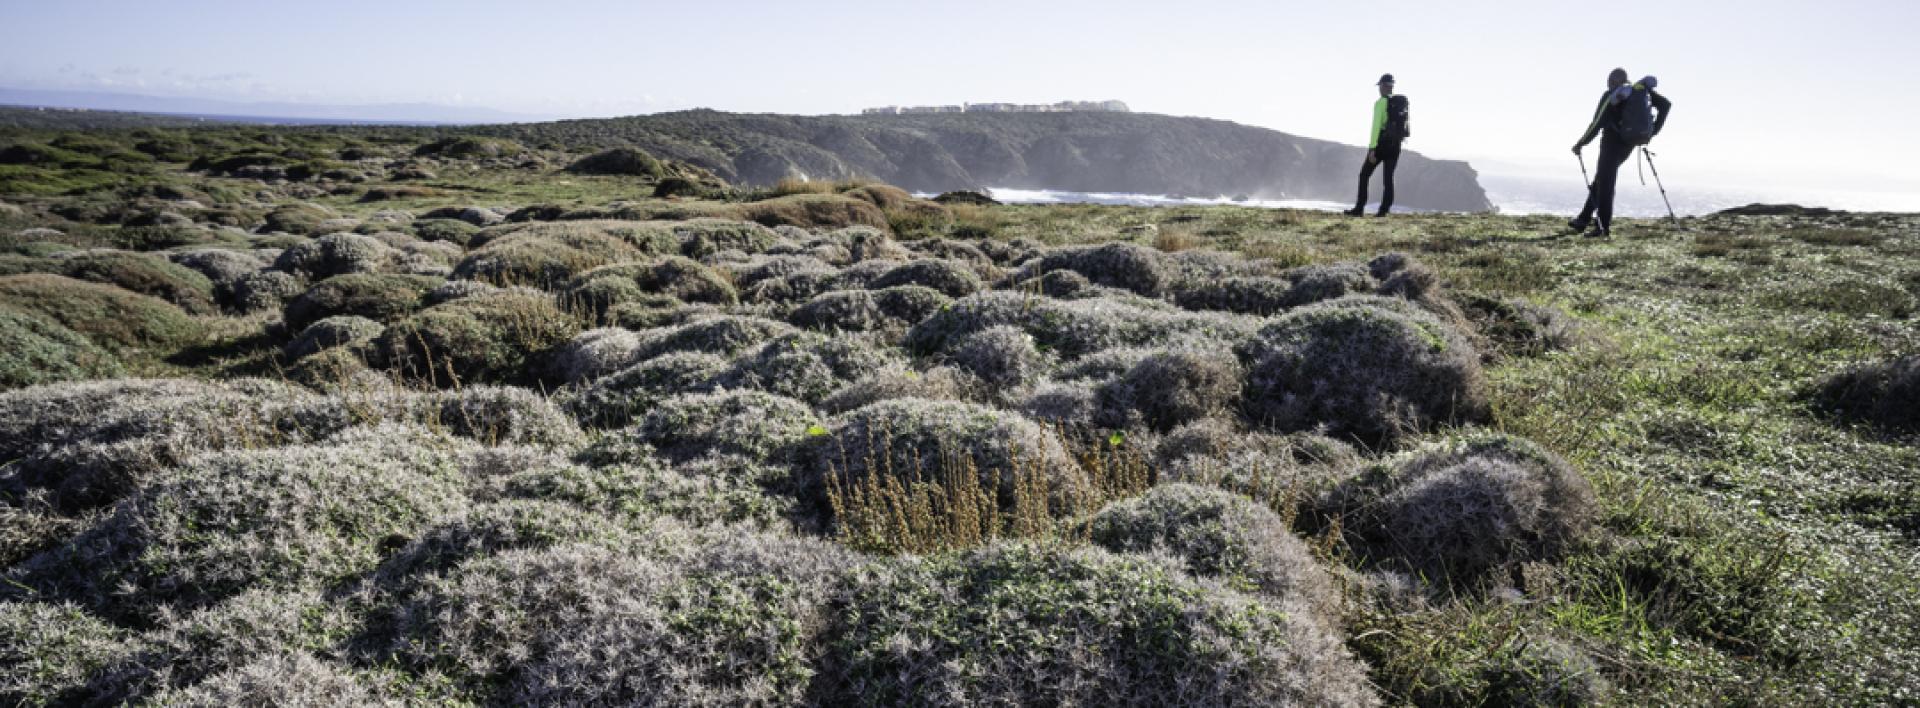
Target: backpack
pixel 1397 128
pixel 1636 117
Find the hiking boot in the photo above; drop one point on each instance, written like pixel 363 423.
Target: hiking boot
pixel 1598 232
pixel 1381 214
pixel 1356 211
pixel 1577 225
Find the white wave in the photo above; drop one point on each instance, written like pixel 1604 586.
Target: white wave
pixel 1053 196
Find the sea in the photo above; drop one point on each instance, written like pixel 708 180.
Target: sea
pixel 1526 196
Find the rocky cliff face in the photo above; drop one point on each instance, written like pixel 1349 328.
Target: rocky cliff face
pixel 1085 152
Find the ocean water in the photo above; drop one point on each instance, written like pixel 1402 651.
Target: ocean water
pixel 1529 195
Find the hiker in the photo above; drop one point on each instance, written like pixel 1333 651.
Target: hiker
pixel 1383 147
pixel 1624 121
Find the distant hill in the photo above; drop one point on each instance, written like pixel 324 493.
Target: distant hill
pixel 261 112
pixel 1082 152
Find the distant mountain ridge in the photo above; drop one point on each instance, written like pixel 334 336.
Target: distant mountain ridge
pixel 1078 151
pixel 268 112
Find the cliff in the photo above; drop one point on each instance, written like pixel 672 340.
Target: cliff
pixel 1082 151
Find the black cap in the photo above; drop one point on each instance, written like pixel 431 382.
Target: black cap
pixel 1384 79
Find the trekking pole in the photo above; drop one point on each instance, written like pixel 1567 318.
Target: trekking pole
pixel 1656 180
pixel 1583 170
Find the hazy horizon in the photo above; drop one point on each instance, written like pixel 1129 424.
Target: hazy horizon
pixel 1777 96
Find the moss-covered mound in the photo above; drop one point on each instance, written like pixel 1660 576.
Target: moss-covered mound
pixel 500 337
pixel 109 316
pixel 145 274
pixel 35 351
pixel 629 161
pixel 1371 367
pixel 544 257
pixel 812 211
pixel 1017 625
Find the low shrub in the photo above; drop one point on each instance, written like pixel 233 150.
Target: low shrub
pixel 1224 535
pixel 1246 295
pixel 808 366
pixel 1882 393
pixel 336 254
pixel 1002 357
pixel 500 337
pixel 109 316
pixel 1021 624
pixel 753 424
pixel 221 638
pixel 949 278
pixel 1317 283
pixel 725 335
pixel 264 290
pixel 338 331
pixel 1375 368
pixel 379 297
pixel 733 620
pixel 1462 516
pixel 701 238
pixel 1076 328
pixel 615 400
pixel 1122 265
pixel 893 382
pixel 1170 388
pixel 1517 327
pixel 227 522
pixel 680 278
pixel 889 310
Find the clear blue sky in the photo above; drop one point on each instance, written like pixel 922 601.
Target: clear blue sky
pixel 1797 94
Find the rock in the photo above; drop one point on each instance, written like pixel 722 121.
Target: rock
pixel 966 197
pixel 38 234
pixel 1777 210
pixel 10 210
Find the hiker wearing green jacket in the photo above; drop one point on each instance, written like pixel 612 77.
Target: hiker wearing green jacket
pixel 1383 146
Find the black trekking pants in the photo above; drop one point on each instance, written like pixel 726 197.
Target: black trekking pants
pixel 1613 154
pixel 1389 157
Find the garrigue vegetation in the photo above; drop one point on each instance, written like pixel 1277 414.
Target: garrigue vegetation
pixel 417 416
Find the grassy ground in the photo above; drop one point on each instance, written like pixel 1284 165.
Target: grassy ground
pixel 1765 553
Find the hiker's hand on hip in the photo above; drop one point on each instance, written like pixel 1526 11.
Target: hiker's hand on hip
pixel 1371 158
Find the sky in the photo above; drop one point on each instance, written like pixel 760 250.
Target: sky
pixel 1797 96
